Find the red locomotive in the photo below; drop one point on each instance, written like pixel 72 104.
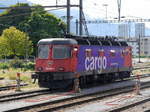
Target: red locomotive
pixel 59 61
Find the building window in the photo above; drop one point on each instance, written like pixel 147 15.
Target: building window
pixel 146 39
pixel 145 52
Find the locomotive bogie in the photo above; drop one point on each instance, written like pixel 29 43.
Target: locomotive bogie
pixel 55 80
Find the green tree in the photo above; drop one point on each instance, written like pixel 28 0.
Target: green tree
pixel 3 49
pixel 14 16
pixel 16 42
pixel 41 25
pixel 36 22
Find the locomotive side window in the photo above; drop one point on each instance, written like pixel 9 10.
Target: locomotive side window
pixel 123 52
pixel 112 53
pixel 101 52
pixel 43 51
pixel 126 52
pixel 61 52
pixel 88 52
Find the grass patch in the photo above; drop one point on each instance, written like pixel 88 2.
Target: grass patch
pixel 9 70
pixel 11 74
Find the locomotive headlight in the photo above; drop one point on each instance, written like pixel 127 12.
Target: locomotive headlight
pixel 61 69
pixel 40 69
pixel 75 49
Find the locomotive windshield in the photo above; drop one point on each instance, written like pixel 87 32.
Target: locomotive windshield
pixel 43 51
pixel 61 52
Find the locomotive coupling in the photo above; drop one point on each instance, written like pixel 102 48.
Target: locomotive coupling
pixel 34 76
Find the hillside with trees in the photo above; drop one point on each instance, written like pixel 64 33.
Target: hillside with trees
pixel 35 22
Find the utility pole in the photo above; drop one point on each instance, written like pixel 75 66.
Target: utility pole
pixel 56 2
pixel 119 9
pixel 80 17
pixel 105 5
pixel 77 27
pixel 139 48
pixel 129 25
pixel 68 16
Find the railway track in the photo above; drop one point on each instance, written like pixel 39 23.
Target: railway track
pixel 23 95
pixel 131 105
pixel 65 103
pixel 77 100
pixel 18 96
pixel 145 67
pixel 3 88
pixel 14 86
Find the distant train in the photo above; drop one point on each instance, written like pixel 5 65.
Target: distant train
pixel 59 61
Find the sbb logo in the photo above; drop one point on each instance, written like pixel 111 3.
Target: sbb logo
pixel 95 63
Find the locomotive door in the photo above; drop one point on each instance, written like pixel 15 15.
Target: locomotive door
pixel 128 57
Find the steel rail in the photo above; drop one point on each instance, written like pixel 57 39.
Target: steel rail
pixel 146 67
pixel 10 87
pixel 130 105
pixel 23 95
pixel 77 100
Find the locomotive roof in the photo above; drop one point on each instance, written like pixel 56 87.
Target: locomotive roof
pixel 83 41
pixel 56 41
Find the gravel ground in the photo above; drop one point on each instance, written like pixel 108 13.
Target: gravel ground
pixel 96 106
pixel 141 108
pixel 13 90
pixel 106 104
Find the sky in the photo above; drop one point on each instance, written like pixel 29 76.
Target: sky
pixel 95 8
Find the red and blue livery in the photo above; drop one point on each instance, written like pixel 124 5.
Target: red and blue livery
pixel 60 60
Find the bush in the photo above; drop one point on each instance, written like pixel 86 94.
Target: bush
pixel 4 65
pixel 28 66
pixel 16 63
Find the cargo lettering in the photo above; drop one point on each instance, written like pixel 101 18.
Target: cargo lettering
pixel 95 63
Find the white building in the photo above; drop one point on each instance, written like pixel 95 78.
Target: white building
pixel 133 42
pixel 140 30
pixel 144 46
pixel 123 30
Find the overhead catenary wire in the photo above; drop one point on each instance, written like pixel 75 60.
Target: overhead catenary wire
pixel 11 16
pixel 54 6
pixel 25 7
pixel 100 9
pixel 23 14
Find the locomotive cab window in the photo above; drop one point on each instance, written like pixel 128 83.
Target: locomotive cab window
pixel 61 52
pixel 43 51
